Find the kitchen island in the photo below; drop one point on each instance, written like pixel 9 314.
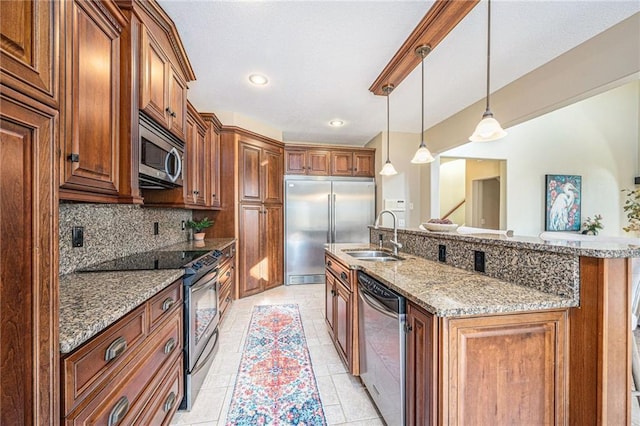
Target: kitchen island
pixel 475 335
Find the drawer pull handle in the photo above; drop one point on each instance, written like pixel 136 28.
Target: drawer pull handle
pixel 228 273
pixel 119 411
pixel 115 349
pixel 167 304
pixel 329 264
pixel 168 404
pixel 343 275
pixel 169 346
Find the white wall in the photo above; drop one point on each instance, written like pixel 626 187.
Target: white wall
pixel 597 138
pixel 406 184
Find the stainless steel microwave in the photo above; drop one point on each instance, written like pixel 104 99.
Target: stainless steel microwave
pixel 161 157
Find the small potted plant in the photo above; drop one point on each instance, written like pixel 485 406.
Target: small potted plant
pixel 592 226
pixel 198 226
pixel 632 208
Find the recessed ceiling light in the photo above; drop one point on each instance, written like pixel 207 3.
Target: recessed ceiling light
pixel 336 123
pixel 258 79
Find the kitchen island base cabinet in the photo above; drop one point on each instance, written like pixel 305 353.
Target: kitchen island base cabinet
pixel 504 369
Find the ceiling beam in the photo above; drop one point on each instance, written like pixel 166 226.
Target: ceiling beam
pixel 441 18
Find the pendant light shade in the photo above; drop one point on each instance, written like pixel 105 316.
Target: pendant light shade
pixel 388 169
pixel 488 129
pixel 422 155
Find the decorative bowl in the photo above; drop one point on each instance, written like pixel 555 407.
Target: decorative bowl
pixel 440 227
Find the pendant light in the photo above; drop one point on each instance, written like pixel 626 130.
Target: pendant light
pixel 488 129
pixel 388 169
pixel 422 155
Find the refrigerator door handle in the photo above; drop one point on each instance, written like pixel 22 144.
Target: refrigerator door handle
pixel 329 218
pixel 333 221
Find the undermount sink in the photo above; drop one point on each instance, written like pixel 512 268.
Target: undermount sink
pixel 373 255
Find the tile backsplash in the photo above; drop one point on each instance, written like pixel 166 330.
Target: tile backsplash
pixel 112 230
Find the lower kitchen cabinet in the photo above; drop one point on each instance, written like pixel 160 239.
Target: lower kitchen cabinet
pixel 341 312
pixel 226 279
pixel 493 370
pixel 132 371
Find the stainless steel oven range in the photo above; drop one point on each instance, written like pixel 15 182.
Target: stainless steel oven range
pixel 201 315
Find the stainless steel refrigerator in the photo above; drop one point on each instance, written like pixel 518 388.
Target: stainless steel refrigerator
pixel 319 211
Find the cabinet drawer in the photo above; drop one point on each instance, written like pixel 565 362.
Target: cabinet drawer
pixel 166 400
pixel 123 394
pixel 225 275
pixel 86 368
pixel 162 304
pixel 339 270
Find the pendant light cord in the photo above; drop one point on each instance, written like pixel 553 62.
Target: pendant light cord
pixel 488 49
pixel 422 115
pixel 388 127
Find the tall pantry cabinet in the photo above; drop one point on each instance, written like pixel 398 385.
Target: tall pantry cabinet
pixel 252 168
pixel 29 122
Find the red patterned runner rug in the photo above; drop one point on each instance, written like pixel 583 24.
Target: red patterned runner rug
pixel 276 384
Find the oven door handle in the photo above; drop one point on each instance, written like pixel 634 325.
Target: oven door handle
pixel 205 281
pixel 174 152
pixel 370 300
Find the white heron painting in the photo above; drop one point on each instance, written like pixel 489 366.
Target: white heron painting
pixel 563 199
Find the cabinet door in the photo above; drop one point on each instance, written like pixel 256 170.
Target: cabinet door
pixel 90 158
pixel 421 367
pixel 341 163
pixel 506 370
pixel 190 163
pixel 213 169
pixel 295 162
pixel 273 232
pixel 329 293
pixel 272 176
pixel 342 326
pixel 199 167
pixel 154 70
pixel 250 250
pixel 318 163
pixel 29 48
pixel 249 172
pixel 177 108
pixel 28 269
pixel 364 164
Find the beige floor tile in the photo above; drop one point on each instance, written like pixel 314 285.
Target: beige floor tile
pixel 333 414
pixel 328 393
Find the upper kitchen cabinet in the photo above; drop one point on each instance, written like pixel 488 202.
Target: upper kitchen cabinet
pixel 29 46
pixel 319 160
pixel 90 101
pixel 163 92
pixel 353 163
pixel 212 153
pixel 260 171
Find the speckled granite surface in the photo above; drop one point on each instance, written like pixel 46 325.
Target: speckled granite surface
pixel 90 302
pixel 447 291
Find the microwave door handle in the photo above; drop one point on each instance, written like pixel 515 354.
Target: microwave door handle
pixel 176 154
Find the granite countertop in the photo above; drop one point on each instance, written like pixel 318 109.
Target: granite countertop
pixel 446 291
pixel 92 301
pixel 600 247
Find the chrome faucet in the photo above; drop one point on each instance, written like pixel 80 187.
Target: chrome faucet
pixel 394 242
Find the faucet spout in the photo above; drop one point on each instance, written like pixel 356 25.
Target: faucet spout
pixel 394 242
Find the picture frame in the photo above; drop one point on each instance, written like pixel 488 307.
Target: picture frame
pixel 563 202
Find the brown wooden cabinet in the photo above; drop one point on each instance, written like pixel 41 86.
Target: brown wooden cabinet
pixel 195 160
pixel 163 93
pixel 29 357
pixel 341 312
pixel 422 367
pixel 319 160
pixel 227 278
pixel 260 172
pixel 212 162
pixel 129 370
pixel 90 106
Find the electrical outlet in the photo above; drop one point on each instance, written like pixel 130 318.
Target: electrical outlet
pixel 156 228
pixel 77 236
pixel 183 225
pixel 478 261
pixel 442 253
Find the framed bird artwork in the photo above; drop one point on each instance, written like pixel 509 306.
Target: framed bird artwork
pixel 563 199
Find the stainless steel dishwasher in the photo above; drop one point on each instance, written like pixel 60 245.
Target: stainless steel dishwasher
pixel 382 340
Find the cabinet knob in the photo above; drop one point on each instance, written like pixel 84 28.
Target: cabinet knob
pixel 329 263
pixel 343 275
pixel 74 158
pixel 168 403
pixel 167 304
pixel 115 349
pixel 119 411
pixel 169 346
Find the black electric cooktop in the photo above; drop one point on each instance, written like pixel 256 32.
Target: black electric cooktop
pixel 148 261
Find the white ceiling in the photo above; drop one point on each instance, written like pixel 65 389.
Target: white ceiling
pixel 322 56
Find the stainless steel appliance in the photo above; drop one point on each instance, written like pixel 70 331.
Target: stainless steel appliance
pixel 161 156
pixel 201 306
pixel 319 211
pixel 382 341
